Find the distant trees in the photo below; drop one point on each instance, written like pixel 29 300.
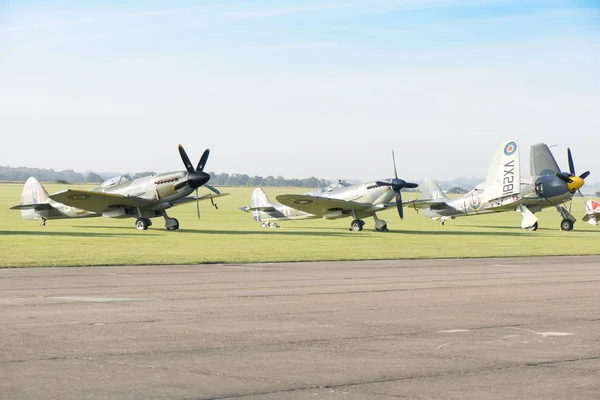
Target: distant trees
pixel 92 177
pixel 225 179
pixel 8 173
pixel 456 190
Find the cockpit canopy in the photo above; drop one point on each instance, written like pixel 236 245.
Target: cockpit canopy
pixel 116 181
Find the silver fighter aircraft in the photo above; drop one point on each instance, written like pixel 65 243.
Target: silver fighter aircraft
pixel 122 197
pixel 505 190
pixel 357 201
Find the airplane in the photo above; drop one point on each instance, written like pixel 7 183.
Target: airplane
pixel 592 216
pixel 122 197
pixel 357 201
pixel 505 190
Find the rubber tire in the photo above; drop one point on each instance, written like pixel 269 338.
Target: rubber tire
pixel 175 227
pixel 356 225
pixel 533 227
pixel 141 224
pixel 566 225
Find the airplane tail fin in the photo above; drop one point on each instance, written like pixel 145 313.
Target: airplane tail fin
pixel 33 197
pixel 260 203
pixel 504 176
pixel 430 189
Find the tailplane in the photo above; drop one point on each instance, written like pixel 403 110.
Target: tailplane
pixel 260 203
pixel 504 176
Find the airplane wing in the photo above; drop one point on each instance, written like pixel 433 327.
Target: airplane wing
pixel 419 204
pixel 205 196
pixel 321 206
pixel 97 201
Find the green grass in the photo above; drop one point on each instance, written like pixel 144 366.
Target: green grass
pixel 228 235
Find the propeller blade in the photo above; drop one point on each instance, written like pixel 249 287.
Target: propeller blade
pixel 394 160
pixel 197 204
pixel 399 205
pixel 410 185
pixel 585 175
pixel 571 165
pixel 563 177
pixel 212 189
pixel 186 160
pixel 203 160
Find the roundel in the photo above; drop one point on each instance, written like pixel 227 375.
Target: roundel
pixel 510 148
pixel 303 202
pixel 475 203
pixel 79 197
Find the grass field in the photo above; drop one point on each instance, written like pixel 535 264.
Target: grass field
pixel 228 235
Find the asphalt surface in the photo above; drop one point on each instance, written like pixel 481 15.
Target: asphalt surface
pixel 523 328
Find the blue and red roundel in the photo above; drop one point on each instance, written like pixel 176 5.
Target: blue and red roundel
pixel 510 148
pixel 475 203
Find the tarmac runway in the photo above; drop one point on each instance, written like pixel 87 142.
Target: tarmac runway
pixel 525 328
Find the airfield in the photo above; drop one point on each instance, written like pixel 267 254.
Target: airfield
pixel 228 235
pixel 456 329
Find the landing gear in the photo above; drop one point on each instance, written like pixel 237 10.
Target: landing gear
pixel 566 225
pixel 269 224
pixel 142 223
pixel 171 224
pixel 533 227
pixel 357 225
pixel 43 223
pixel 568 220
pixel 380 225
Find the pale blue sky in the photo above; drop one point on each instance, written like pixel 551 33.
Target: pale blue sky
pixel 298 88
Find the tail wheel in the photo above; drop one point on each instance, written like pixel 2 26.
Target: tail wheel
pixel 566 225
pixel 533 227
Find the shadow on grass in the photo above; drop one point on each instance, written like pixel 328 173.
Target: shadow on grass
pixel 70 234
pixel 546 229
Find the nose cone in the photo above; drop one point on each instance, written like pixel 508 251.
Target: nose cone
pixel 197 179
pixel 576 184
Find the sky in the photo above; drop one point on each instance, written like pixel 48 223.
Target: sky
pixel 298 88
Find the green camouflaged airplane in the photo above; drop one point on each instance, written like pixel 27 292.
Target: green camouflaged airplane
pixel 122 197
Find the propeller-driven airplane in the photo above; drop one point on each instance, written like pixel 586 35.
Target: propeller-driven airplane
pixel 357 201
pixel 505 190
pixel 122 197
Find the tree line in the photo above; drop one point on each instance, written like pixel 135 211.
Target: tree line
pixel 20 174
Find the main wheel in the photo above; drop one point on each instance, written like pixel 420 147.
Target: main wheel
pixel 356 225
pixel 533 227
pixel 175 225
pixel 566 225
pixel 142 224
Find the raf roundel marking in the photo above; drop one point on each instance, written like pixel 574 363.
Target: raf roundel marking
pixel 510 148
pixel 79 197
pixel 475 203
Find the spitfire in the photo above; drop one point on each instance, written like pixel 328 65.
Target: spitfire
pixel 357 201
pixel 123 197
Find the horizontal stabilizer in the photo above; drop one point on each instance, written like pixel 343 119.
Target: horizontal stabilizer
pixel 263 209
pixel 419 204
pixel 36 207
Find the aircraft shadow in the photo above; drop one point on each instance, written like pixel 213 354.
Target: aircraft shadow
pixel 70 234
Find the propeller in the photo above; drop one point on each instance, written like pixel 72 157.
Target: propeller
pixel 195 177
pixel 574 182
pixel 396 184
